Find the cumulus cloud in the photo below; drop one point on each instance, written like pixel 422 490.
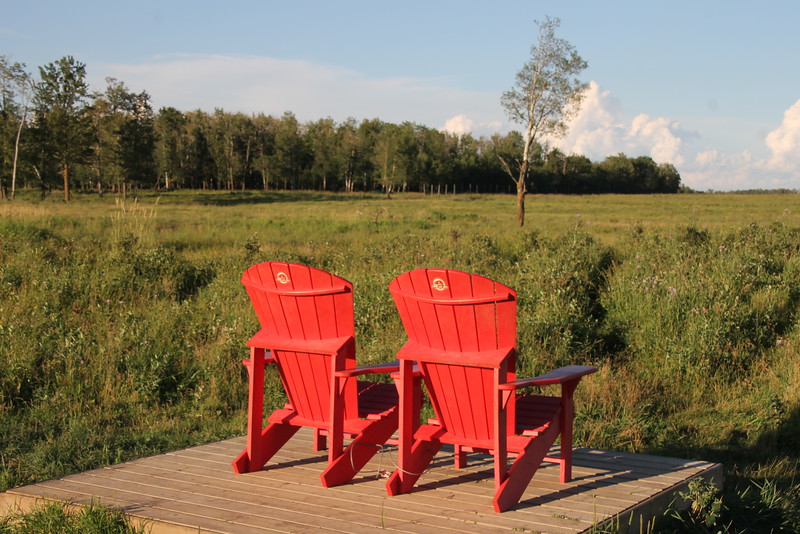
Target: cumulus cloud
pixel 780 169
pixel 458 125
pixel 601 128
pixel 659 137
pixel 784 142
pixel 461 125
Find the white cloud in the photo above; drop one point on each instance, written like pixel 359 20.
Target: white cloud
pixel 601 128
pixel 255 84
pixel 459 125
pixel 784 143
pixel 742 170
pixel 657 137
pixel 598 128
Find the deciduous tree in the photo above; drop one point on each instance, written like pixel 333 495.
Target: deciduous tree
pixel 62 100
pixel 545 94
pixel 171 146
pixel 16 90
pixel 322 142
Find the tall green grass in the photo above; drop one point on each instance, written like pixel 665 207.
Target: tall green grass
pixel 59 518
pixel 122 325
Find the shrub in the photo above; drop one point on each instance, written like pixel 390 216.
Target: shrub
pixel 702 307
pixel 561 319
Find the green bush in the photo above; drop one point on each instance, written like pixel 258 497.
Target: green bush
pixel 561 319
pixel 695 305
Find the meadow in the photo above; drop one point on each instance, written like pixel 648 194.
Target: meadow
pixel 123 323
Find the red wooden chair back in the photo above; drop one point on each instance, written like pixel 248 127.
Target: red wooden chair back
pixel 465 326
pixel 300 303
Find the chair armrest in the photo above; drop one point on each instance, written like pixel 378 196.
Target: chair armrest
pixel 268 358
pixel 391 367
pixel 415 372
pixel 556 376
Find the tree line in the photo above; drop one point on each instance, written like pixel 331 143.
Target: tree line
pixel 56 133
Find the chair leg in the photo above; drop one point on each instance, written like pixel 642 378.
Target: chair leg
pixel 255 408
pixel 363 447
pixel 523 469
pixel 320 441
pixel 272 439
pixel 412 467
pixel 567 416
pixel 460 457
pixel 566 454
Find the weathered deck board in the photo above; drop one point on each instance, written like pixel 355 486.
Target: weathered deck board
pixel 195 490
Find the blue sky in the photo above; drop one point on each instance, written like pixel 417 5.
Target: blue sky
pixel 710 86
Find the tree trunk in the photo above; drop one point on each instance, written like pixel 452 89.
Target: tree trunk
pixel 520 206
pixel 265 179
pixel 16 153
pixel 65 171
pixel 521 190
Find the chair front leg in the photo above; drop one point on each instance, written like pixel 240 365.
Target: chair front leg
pixel 336 429
pixel 255 410
pixel 413 456
pixel 567 417
pixel 500 428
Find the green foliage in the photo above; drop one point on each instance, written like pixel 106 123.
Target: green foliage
pixel 123 326
pixel 561 318
pixel 111 352
pixel 57 518
pixel 694 304
pixel 759 507
pixel 705 507
pixel 112 139
pixel 62 125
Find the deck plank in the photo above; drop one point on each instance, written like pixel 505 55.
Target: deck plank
pixel 195 490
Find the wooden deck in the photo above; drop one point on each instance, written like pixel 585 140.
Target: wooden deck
pixel 195 490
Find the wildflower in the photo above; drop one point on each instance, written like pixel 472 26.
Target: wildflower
pixel 672 291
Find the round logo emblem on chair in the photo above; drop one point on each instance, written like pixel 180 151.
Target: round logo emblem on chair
pixel 282 278
pixel 438 284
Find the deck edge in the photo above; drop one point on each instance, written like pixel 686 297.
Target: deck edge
pixel 13 501
pixel 639 518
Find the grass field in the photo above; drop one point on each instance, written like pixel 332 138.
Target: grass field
pixel 122 324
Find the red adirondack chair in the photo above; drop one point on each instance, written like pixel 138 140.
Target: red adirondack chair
pixel 462 334
pixel 306 318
